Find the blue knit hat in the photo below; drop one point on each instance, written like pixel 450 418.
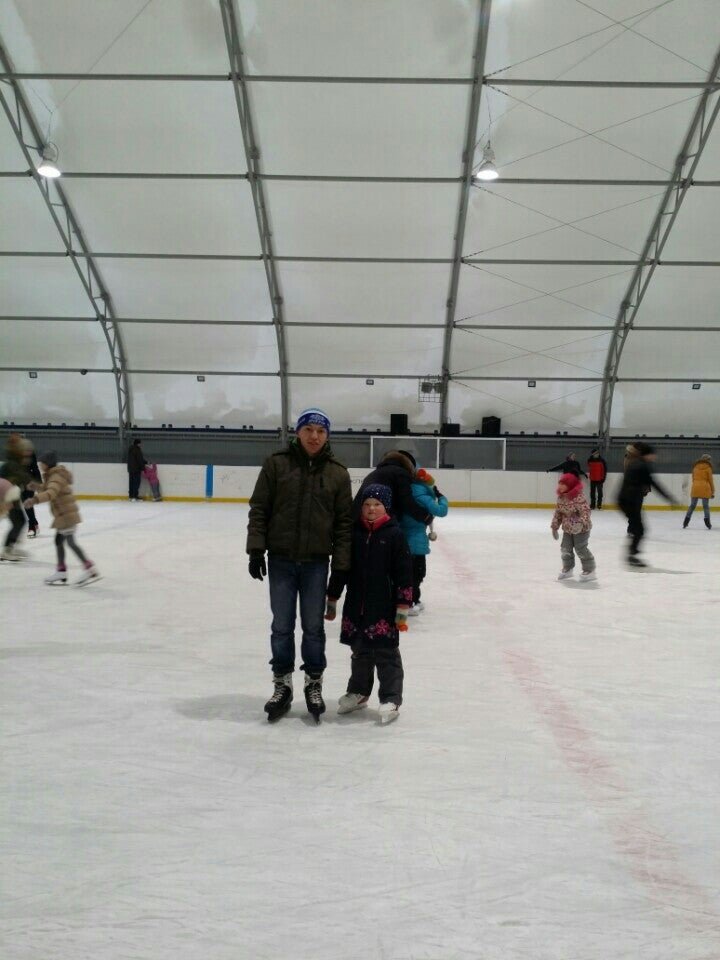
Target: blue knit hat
pixel 313 415
pixel 378 491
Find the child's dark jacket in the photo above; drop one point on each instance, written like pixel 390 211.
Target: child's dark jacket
pixel 380 579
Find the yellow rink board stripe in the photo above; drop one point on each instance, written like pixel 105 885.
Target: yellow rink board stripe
pixel 476 504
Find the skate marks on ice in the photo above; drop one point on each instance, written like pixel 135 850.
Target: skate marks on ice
pixel 246 708
pixel 650 858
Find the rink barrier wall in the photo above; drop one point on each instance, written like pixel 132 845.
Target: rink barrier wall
pixel 494 489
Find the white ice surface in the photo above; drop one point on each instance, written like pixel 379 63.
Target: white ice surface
pixel 549 791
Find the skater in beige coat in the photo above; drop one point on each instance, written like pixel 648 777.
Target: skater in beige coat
pixel 56 489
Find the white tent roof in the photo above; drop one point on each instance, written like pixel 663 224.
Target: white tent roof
pixel 381 92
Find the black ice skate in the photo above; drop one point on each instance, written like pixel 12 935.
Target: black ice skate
pixel 279 703
pixel 636 562
pixel 314 697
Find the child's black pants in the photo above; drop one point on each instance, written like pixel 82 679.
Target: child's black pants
pixel 388 663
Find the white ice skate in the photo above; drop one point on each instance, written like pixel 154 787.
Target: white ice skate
pixel 89 575
pixel 13 554
pixel 416 609
pixel 57 579
pixel 388 712
pixel 349 702
pixel 588 577
pixel 565 575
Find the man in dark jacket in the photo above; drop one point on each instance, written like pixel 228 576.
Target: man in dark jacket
pixel 135 464
pixel 301 514
pixel 569 465
pixel 396 470
pixel 597 468
pixel 637 482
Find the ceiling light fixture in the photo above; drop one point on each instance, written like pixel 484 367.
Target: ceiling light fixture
pixel 487 170
pixel 48 162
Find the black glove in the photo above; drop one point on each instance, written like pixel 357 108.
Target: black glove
pixel 437 493
pixel 336 584
pixel 256 564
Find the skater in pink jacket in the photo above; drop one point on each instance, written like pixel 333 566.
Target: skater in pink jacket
pixel 573 514
pixel 151 475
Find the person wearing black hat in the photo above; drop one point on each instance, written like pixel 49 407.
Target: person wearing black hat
pixel 598 472
pixel 636 484
pixel 135 465
pixel 569 465
pixel 379 594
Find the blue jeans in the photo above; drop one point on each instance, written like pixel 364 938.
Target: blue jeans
pixel 693 504
pixel 288 580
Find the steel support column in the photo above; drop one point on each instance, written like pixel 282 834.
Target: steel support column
pixel 231 28
pixel 24 125
pixel 467 158
pixel 691 150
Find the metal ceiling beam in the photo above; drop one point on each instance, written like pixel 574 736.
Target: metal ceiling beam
pixel 481 40
pixel 367 325
pixel 460 378
pixel 711 84
pixel 279 258
pixel 231 29
pixel 225 77
pixel 688 158
pixel 24 127
pixel 323 178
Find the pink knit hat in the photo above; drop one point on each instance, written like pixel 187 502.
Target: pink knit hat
pixel 571 482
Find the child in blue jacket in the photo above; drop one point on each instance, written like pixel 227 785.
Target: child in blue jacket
pixel 427 496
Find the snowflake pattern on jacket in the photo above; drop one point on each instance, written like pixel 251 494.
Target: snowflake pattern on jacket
pixel 380 581
pixel 572 513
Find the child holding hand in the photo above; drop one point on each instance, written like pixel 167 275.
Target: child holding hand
pixel 379 593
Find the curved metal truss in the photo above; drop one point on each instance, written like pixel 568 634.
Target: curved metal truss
pixel 231 28
pixel 675 192
pixel 23 123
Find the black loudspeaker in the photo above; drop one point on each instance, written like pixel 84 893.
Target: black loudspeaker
pixel 399 424
pixel 450 430
pixel 491 426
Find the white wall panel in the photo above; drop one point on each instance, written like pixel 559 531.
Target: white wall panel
pixel 547 408
pixel 43 287
pixel 355 130
pixel 681 296
pixel 59 398
pixel 55 344
pixel 194 348
pixel 682 354
pixel 170 216
pixel 219 401
pixel 351 403
pixel 365 351
pixel 152 127
pixel 695 234
pixel 547 353
pixel 365 292
pixel 25 221
pixel 409 38
pixel 363 219
pixel 673 408
pixel 190 289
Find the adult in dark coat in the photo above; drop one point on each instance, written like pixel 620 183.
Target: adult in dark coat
pixel 301 514
pixel 569 465
pixel 396 471
pixel 636 484
pixel 135 464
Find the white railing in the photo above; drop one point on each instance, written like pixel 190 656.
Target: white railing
pixel 473 453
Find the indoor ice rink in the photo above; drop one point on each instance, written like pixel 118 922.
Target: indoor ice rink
pixel 483 232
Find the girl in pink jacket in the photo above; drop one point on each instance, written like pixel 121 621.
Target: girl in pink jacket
pixel 573 514
pixel 151 475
